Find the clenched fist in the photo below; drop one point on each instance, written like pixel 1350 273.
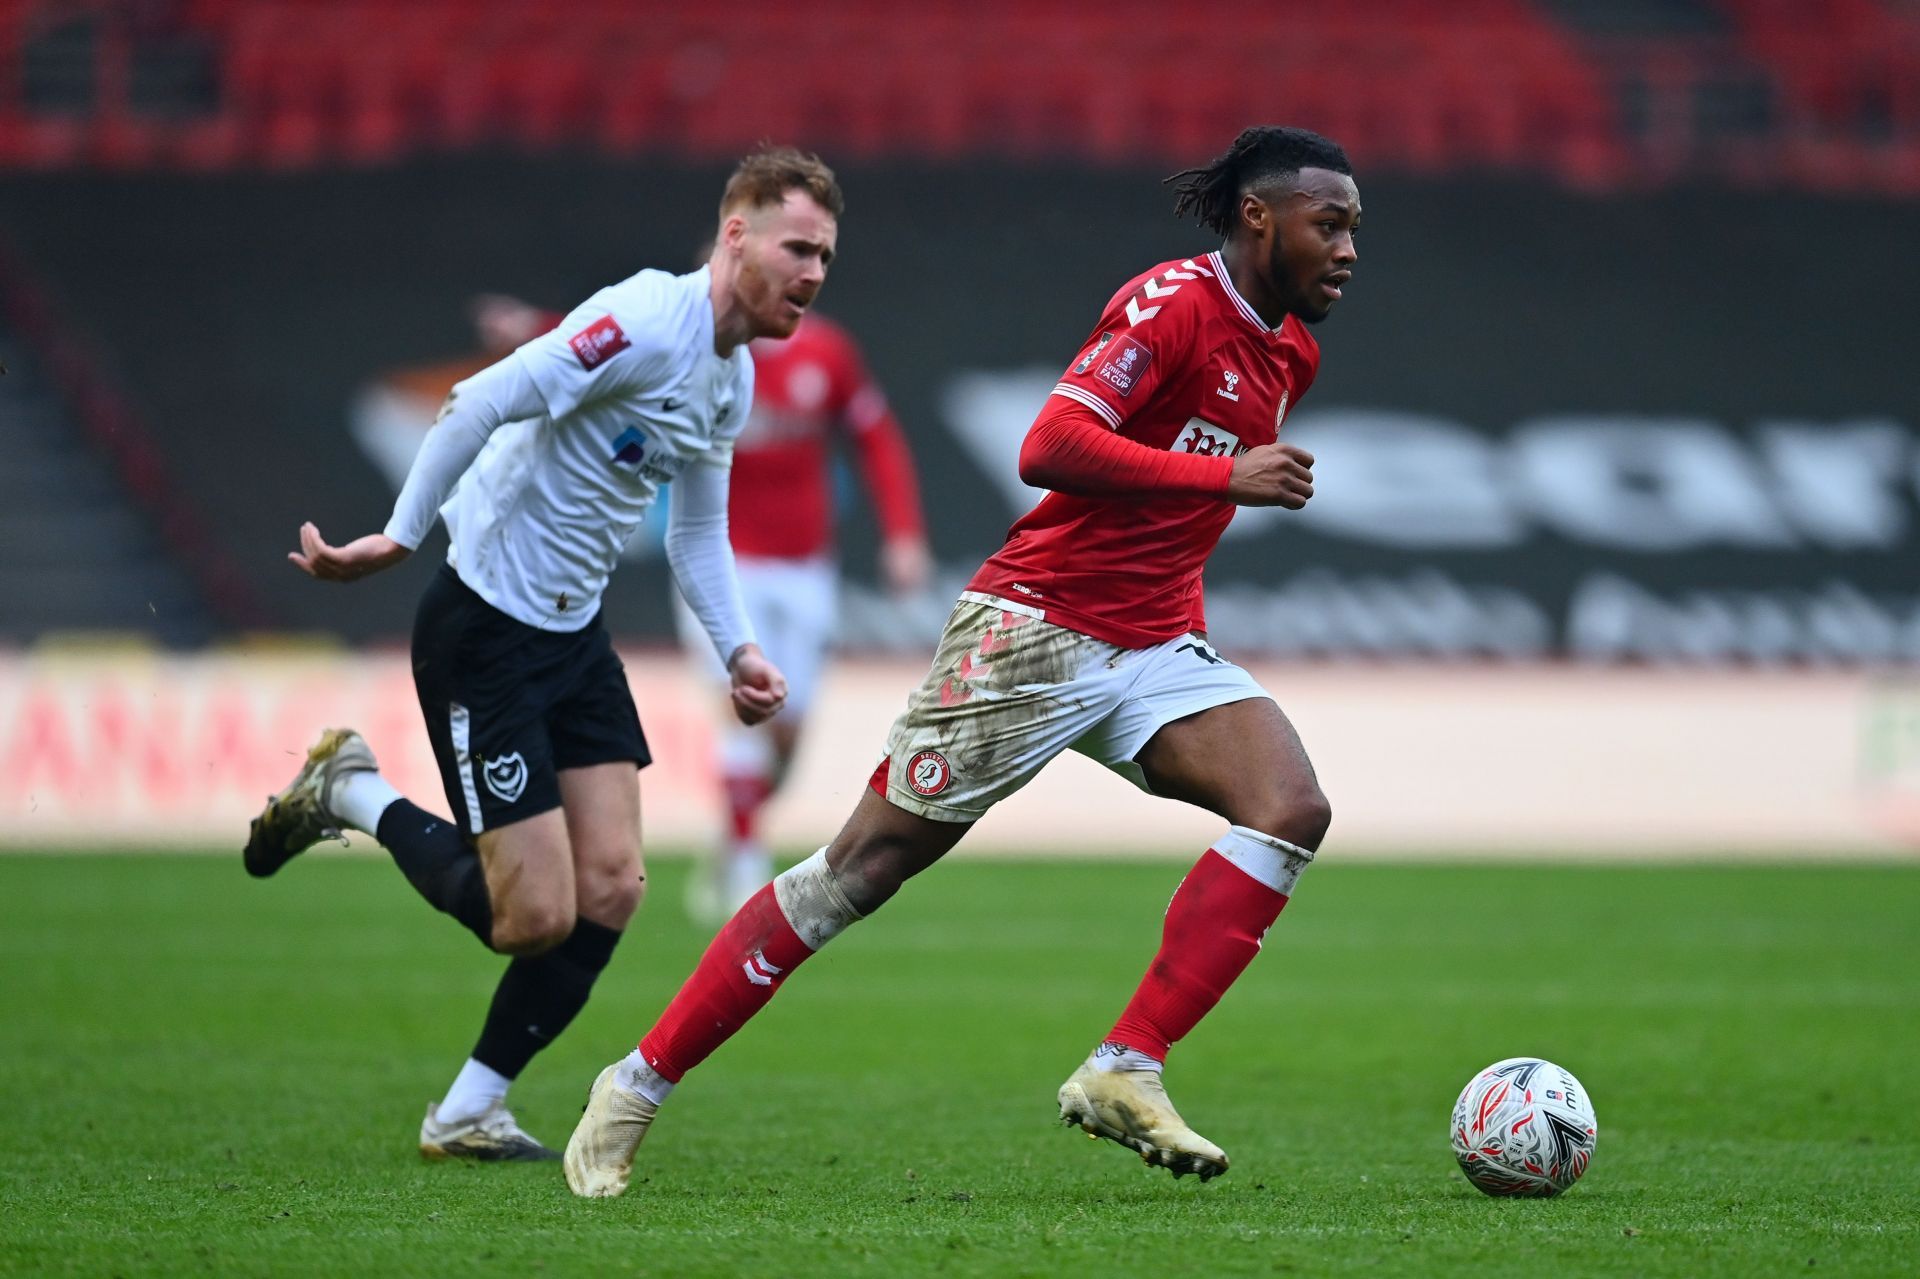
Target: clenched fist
pixel 1272 475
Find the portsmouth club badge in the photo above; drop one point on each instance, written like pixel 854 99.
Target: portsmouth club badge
pixel 506 776
pixel 1086 361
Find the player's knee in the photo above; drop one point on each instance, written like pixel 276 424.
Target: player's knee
pixel 532 928
pixel 612 897
pixel 1299 815
pixel 609 884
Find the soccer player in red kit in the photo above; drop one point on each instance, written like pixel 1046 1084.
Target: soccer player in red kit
pixel 1085 631
pixel 810 390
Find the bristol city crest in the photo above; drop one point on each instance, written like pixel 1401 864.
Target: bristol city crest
pixel 929 773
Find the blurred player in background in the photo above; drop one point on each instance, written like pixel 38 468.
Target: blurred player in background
pixel 542 465
pixel 809 390
pixel 1087 631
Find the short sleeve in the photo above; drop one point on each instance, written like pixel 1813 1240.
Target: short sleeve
pixel 619 343
pixel 1142 342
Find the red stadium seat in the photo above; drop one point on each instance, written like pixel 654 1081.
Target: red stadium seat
pixel 1482 83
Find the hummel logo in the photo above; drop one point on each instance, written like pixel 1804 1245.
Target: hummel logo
pixel 759 971
pixel 1233 380
pixel 1202 652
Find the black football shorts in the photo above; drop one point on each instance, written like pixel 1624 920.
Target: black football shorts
pixel 508 706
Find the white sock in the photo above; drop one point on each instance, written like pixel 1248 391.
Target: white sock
pixel 358 799
pixel 811 899
pixel 474 1089
pixel 636 1076
pixel 1118 1057
pixel 749 868
pixel 1267 858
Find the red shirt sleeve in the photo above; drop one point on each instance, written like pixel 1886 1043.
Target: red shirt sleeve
pixel 1145 337
pixel 886 464
pixel 1071 450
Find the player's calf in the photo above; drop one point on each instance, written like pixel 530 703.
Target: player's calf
pixel 1214 927
pixel 882 847
pixel 745 964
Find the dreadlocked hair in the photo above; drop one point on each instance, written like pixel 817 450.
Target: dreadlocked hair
pixel 1257 157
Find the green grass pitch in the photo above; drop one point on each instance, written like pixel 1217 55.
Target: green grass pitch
pixel 206 1075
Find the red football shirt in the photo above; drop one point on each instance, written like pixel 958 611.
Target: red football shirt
pixel 1179 361
pixel 807 389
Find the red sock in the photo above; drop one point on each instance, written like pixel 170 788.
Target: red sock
pixel 741 970
pixel 1213 930
pixel 747 794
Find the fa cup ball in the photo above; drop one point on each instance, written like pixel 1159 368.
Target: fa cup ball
pixel 1523 1127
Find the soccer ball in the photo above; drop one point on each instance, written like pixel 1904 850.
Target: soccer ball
pixel 1523 1127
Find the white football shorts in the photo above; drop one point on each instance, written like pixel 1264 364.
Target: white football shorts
pixel 1008 692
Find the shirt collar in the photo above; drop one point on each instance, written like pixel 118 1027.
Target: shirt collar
pixel 1226 282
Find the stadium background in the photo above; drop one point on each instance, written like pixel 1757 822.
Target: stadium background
pixel 1610 564
pixel 1618 471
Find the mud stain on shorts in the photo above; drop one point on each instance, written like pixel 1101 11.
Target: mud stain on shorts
pixel 995 675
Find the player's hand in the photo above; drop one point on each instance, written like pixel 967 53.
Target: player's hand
pixel 356 559
pixel 907 565
pixel 1272 475
pixel 759 689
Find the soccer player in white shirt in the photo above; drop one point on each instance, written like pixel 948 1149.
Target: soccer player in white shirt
pixel 542 465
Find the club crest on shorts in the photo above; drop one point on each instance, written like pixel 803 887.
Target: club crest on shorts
pixel 506 776
pixel 928 773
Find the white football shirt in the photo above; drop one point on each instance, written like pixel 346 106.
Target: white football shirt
pixel 634 394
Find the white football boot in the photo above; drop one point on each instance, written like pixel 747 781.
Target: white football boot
pixel 599 1157
pixel 495 1136
pixel 1132 1108
pixel 297 818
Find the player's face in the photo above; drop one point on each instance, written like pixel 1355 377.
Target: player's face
pixel 784 253
pixel 1312 253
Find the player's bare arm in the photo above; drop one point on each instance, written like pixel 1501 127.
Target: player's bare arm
pixel 347 563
